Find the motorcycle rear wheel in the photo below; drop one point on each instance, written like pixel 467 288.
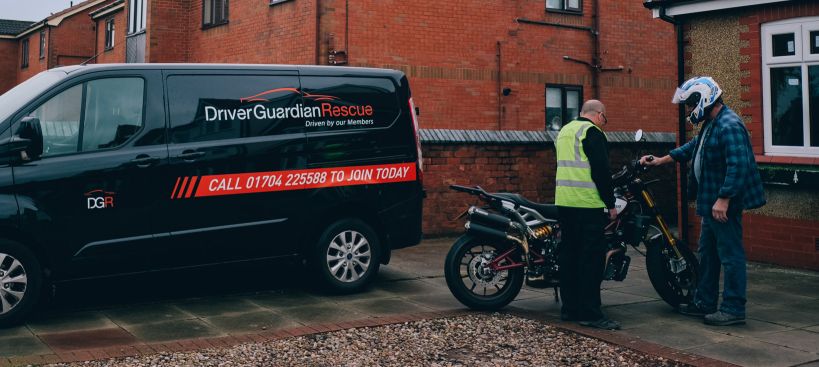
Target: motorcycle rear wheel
pixel 673 288
pixel 472 282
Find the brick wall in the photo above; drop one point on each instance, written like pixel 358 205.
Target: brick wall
pixel 35 63
pixel 167 30
pixel 9 64
pixel 449 50
pixel 775 240
pixel 117 53
pixel 528 170
pixel 72 42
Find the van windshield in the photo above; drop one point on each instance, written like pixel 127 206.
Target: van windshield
pixel 17 97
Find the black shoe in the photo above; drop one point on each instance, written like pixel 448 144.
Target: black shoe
pixel 720 318
pixel 692 309
pixel 603 323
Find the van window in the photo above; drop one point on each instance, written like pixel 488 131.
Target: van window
pixel 112 113
pixel 214 107
pixel 350 103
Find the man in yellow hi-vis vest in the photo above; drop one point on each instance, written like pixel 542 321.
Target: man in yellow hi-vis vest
pixel 583 189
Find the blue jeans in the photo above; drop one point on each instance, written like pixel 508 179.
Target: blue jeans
pixel 721 246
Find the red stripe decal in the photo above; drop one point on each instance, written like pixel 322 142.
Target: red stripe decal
pixel 190 187
pixel 256 182
pixel 182 189
pixel 175 187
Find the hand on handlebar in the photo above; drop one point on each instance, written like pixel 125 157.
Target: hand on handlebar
pixel 612 214
pixel 650 160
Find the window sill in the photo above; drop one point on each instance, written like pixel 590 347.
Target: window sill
pixel 786 160
pixel 135 34
pixel 277 2
pixel 215 25
pixel 109 48
pixel 567 12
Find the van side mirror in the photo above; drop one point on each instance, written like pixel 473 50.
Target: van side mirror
pixel 11 147
pixel 29 133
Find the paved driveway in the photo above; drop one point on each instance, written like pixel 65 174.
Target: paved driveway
pixel 782 330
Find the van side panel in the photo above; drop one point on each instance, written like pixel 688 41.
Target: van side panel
pixel 385 137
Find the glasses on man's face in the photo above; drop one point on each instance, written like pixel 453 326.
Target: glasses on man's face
pixel 605 120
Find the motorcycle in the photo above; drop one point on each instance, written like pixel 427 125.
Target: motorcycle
pixel 510 240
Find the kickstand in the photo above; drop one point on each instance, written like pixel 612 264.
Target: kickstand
pixel 557 295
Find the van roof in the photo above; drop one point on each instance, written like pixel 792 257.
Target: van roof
pixel 302 69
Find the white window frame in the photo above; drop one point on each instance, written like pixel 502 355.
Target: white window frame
pixel 801 28
pixel 110 33
pixel 137 14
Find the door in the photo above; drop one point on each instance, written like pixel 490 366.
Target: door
pixel 92 193
pixel 232 137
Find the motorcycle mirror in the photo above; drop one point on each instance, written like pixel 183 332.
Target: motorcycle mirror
pixel 638 136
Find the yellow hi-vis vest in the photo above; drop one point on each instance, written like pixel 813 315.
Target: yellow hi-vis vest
pixel 574 185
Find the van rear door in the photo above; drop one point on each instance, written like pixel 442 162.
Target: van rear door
pixel 234 135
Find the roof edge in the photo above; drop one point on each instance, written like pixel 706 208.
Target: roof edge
pixel 674 8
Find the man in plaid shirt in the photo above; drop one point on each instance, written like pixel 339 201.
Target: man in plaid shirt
pixel 725 181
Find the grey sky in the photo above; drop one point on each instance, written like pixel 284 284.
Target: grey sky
pixel 32 9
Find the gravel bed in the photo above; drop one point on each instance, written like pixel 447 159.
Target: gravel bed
pixel 474 340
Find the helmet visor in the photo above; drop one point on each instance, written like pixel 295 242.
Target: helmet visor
pixel 678 96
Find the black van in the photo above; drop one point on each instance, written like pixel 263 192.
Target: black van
pixel 117 169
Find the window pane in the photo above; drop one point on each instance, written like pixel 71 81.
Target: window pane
pixel 554 4
pixel 786 106
pixel 813 92
pixel 207 108
pixel 113 112
pixel 572 104
pixel 554 103
pixel 208 11
pixel 814 42
pixel 784 44
pixel 60 122
pixel 573 5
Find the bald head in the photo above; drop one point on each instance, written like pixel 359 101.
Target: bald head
pixel 595 111
pixel 592 106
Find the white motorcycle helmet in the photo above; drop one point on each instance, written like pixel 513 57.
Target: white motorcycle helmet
pixel 700 92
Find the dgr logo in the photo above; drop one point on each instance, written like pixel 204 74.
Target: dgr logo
pixel 98 199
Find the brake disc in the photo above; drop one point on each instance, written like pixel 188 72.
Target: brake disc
pixel 481 273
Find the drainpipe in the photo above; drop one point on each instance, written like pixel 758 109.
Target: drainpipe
pixel 681 132
pixel 500 113
pixel 318 32
pixel 596 54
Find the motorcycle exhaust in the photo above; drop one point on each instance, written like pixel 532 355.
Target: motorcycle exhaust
pixel 488 219
pixel 480 229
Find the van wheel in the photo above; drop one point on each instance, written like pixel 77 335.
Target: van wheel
pixel 347 256
pixel 20 282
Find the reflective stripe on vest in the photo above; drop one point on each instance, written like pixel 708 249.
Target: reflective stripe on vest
pixel 574 184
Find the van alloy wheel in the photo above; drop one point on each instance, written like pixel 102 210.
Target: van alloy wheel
pixel 348 256
pixel 13 283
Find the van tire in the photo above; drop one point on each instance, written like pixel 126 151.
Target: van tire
pixel 10 251
pixel 346 256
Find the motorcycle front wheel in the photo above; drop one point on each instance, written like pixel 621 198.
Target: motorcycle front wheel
pixel 473 282
pixel 673 280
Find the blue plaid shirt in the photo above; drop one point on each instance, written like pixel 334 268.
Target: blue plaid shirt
pixel 728 166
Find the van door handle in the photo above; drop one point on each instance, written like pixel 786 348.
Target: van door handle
pixel 144 161
pixel 190 155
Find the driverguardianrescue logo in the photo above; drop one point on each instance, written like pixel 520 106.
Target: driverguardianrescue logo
pixel 99 199
pixel 331 111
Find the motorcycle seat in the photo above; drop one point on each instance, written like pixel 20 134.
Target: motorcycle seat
pixel 546 210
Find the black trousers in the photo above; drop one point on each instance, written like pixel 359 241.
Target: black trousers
pixel 582 262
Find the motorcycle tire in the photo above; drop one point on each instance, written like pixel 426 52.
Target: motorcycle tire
pixel 456 273
pixel 674 289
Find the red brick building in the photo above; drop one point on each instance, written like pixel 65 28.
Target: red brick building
pixel 64 38
pixel 765 55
